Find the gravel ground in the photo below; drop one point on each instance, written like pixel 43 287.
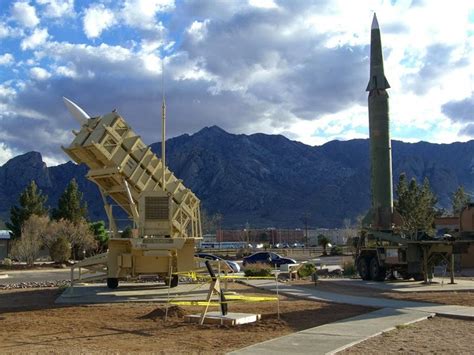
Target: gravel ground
pixel 437 335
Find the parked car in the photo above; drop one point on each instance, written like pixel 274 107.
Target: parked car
pixel 267 258
pixel 232 264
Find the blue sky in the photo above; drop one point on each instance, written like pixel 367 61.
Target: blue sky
pixel 298 68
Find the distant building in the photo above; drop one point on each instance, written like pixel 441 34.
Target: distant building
pixel 4 243
pixel 256 236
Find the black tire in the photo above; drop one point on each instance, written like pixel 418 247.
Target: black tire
pixel 419 277
pixel 112 282
pixel 377 273
pixel 174 281
pixel 363 269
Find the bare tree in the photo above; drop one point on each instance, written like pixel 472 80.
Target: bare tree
pixel 27 248
pixel 79 234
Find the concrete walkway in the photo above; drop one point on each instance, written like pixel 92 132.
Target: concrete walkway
pixel 315 294
pixel 334 337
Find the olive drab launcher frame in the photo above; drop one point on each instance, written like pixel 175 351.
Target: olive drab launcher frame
pixel 166 221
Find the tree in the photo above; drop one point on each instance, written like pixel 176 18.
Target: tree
pixel 31 203
pixel 324 242
pixel 100 235
pixel 459 200
pixel 78 234
pixel 416 206
pixel 60 251
pixel 27 247
pixel 210 223
pixel 70 205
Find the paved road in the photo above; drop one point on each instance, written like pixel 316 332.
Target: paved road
pixel 18 276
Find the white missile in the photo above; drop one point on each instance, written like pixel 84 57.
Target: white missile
pixel 78 113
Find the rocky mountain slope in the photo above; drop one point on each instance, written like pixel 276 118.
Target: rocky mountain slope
pixel 266 180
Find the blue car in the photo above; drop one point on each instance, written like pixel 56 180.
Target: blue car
pixel 267 258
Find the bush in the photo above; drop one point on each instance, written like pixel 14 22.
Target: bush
pixel 306 270
pixel 60 250
pixel 7 262
pixel 258 269
pixel 336 250
pixel 349 269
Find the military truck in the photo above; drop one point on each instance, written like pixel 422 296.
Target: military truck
pixel 165 215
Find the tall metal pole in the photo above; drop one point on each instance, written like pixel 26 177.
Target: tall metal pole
pixel 163 127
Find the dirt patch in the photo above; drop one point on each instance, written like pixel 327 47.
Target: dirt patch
pixel 436 335
pixel 32 323
pixel 462 298
pixel 160 313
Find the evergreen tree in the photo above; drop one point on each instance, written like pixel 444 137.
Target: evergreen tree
pixel 459 200
pixel 31 203
pixel 100 235
pixel 70 205
pixel 416 206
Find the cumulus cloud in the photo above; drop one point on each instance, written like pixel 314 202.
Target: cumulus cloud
pixel 142 13
pixel 37 38
pixel 6 59
pixel 25 14
pixel 460 111
pixel 39 73
pixel 97 18
pixel 57 8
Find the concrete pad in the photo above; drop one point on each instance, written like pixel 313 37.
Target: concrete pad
pixel 229 319
pixel 438 284
pixel 3 276
pixel 334 337
pixel 317 295
pixel 131 292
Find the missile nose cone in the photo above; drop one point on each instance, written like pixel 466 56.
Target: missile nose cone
pixel 375 23
pixel 78 113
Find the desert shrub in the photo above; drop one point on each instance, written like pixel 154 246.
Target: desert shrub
pixel 258 269
pixel 306 270
pixel 60 250
pixel 28 246
pixel 7 262
pixel 349 269
pixel 336 250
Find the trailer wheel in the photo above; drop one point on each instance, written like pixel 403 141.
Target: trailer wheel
pixel 419 277
pixel 174 281
pixel 363 268
pixel 112 282
pixel 377 273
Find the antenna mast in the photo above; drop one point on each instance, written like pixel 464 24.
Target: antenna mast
pixel 163 126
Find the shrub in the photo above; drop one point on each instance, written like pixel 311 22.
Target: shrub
pixel 258 269
pixel 336 250
pixel 349 269
pixel 306 270
pixel 7 262
pixel 60 250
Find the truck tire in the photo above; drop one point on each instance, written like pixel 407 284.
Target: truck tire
pixel 419 277
pixel 112 282
pixel 377 273
pixel 174 281
pixel 363 269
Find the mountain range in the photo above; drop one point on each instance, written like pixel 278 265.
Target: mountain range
pixel 264 180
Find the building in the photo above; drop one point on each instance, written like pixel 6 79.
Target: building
pixel 256 236
pixel 4 243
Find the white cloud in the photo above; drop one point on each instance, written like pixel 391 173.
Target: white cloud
pixel 65 71
pixel 264 4
pixel 57 8
pixel 37 38
pixel 6 59
pixel 142 13
pixel 39 73
pixel 25 14
pixel 6 153
pixel 198 30
pixel 97 18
